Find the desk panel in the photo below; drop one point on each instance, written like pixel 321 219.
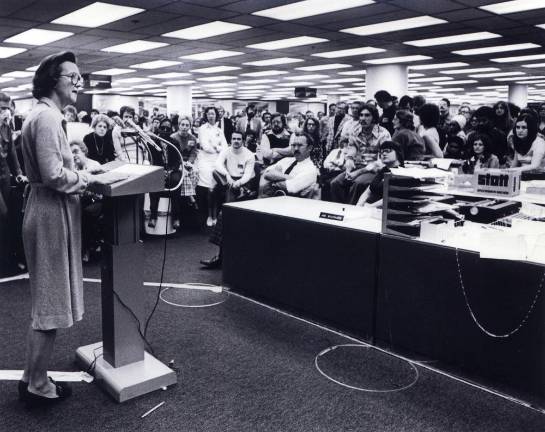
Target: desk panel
pixel 421 308
pixel 320 271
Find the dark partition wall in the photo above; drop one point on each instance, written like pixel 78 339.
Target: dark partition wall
pixel 421 308
pixel 320 271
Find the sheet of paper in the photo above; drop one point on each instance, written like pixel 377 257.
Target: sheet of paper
pixel 503 245
pixel 134 169
pixel 442 163
pixel 421 173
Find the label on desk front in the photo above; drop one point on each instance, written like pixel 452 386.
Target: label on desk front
pixel 331 216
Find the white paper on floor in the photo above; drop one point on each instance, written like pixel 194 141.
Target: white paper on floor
pixel 16 375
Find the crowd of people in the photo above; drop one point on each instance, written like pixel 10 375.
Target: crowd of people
pixel 339 156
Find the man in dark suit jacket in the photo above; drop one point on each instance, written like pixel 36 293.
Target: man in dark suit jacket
pixel 225 124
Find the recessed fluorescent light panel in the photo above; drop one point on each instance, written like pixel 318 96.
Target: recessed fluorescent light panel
pixel 342 80
pixel 287 43
pixel 514 6
pixel 397 25
pixel 402 59
pixel 354 72
pixel 169 75
pixel 218 78
pixel 216 69
pixel 496 74
pixel 114 71
pixel 445 40
pixel 145 86
pixel 6 52
pixel 263 81
pixel 32 68
pixel 308 8
pixel 499 48
pixel 456 82
pixel 212 55
pixel 349 52
pixel 264 73
pixel 519 58
pixel 97 14
pixel 134 47
pixel 203 31
pixel 132 80
pixel 18 74
pixel 438 66
pixel 472 70
pixel 305 77
pixel 535 65
pixel 427 79
pixel 3 80
pixel 156 64
pixel 324 67
pixel 273 62
pixel 178 82
pixel 38 37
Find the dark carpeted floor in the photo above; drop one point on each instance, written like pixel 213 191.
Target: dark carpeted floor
pixel 242 367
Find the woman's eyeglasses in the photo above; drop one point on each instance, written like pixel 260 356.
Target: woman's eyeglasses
pixel 74 77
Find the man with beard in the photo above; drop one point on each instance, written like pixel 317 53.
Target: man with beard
pixel 250 123
pixel 275 144
pixel 444 119
pixel 485 125
pixel 294 175
pixel 347 187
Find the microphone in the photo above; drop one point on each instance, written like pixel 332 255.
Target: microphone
pixel 143 135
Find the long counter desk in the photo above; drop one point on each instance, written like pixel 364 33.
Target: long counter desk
pixel 397 292
pixel 280 251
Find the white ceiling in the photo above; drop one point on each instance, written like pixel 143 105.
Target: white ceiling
pixel 162 16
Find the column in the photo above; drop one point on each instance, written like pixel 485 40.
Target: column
pixel 392 78
pixel 518 94
pixel 179 100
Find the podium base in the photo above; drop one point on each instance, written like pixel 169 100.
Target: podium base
pixel 128 381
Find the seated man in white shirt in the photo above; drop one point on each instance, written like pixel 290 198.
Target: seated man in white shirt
pixel 295 175
pixel 234 169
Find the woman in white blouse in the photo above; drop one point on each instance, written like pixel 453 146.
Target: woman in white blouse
pixel 212 142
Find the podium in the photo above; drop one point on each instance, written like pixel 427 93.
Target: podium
pixel 125 370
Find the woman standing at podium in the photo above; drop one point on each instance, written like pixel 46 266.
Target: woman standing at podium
pixel 52 223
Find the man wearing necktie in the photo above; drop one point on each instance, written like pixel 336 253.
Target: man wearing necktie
pixel 295 175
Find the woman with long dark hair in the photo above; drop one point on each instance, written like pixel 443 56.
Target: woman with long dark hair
pixel 529 146
pixel 502 117
pixel 480 154
pixel 312 127
pixel 429 118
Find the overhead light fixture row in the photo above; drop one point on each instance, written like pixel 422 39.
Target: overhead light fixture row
pixel 453 39
pixel 203 31
pixel 306 8
pixel 287 43
pixel 97 14
pixel 391 26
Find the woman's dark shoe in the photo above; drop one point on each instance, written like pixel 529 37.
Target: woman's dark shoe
pixel 212 263
pixel 63 390
pixel 152 223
